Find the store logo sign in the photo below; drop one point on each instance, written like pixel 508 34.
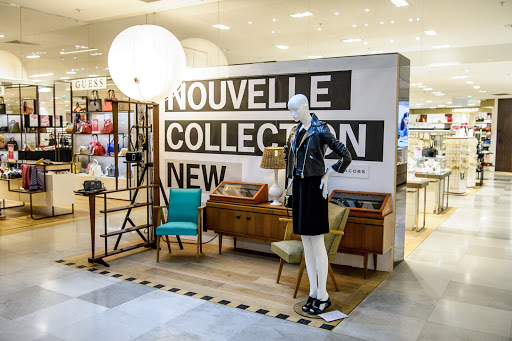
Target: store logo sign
pixel 355 171
pixel 204 175
pixel 90 83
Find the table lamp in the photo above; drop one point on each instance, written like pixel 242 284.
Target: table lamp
pixel 273 158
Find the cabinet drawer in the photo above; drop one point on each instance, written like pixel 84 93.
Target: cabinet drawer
pixel 264 226
pixel 228 221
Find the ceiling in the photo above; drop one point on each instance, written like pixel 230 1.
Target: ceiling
pixel 478 33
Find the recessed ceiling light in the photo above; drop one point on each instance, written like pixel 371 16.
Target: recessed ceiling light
pixel 460 77
pixel 319 29
pixel 476 87
pixel 274 19
pixel 482 91
pixel 392 21
pixel 429 101
pixel 469 82
pixel 249 22
pixel 273 32
pixel 472 104
pixel 366 43
pixel 400 3
pixel 94 75
pixel 36 80
pixel 336 13
pixel 33 56
pixel 441 105
pixel 367 10
pixel 42 75
pixel 96 54
pixel 507 25
pixel 78 51
pixel 315 57
pixel 418 19
pixel 354 25
pixel 391 41
pixel 441 46
pixel 410 19
pixel 221 27
pixel 417 38
pixel 299 15
pixel 352 40
pixel 64 77
pixel 282 47
pixel 427 89
pixel 382 22
pixel 436 92
pixel 70 72
pixel 439 94
pixel 422 86
pixel 448 102
pixel 2 36
pixel 416 84
pixel 430 32
pixel 365 25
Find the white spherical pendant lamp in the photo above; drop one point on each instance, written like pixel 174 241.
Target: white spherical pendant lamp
pixel 146 62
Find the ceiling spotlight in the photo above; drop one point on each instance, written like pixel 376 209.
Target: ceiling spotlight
pixel 439 94
pixel 460 77
pixel 319 29
pixel 416 84
pixel 436 92
pixel 354 25
pixel 353 40
pixel 336 13
pixel 417 38
pixel 42 75
pixel 482 91
pixel 392 21
pixel 422 86
pixel 274 19
pixel 315 57
pixel 418 19
pixel 78 51
pixel 249 22
pixel 365 25
pixel 391 41
pixel 400 3
pixel 441 46
pixel 366 43
pixel 427 89
pixel 410 19
pixel 367 10
pixel 382 22
pixel 273 32
pixel 470 82
pixel 282 47
pixel 33 56
pixel 2 36
pixel 221 27
pixel 71 72
pixel 476 87
pixel 299 15
pixel 430 32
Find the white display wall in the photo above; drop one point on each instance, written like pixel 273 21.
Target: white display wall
pixel 217 125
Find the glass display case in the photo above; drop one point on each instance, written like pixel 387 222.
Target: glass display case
pixel 240 192
pixel 363 204
pixel 431 165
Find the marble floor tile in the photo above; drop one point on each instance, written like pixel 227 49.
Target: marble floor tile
pixel 108 325
pixel 42 274
pixel 79 284
pixel 15 331
pixel 450 258
pixel 268 328
pixel 61 315
pixel 371 324
pixel 490 252
pixel 341 337
pixel 4 320
pixel 435 331
pixel 9 285
pixel 28 300
pixel 484 271
pixel 169 306
pixel 479 295
pixel 116 294
pixel 474 317
pixel 48 337
pixel 168 331
pixel 225 321
pixel 400 303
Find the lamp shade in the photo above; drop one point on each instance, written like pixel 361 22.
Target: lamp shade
pixel 146 62
pixel 273 158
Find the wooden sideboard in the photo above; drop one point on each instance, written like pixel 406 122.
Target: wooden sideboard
pixel 257 222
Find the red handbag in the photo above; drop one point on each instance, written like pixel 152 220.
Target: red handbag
pixel 96 147
pixel 85 127
pixel 108 127
pixel 107 104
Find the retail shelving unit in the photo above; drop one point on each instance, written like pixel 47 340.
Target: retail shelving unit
pixel 461 158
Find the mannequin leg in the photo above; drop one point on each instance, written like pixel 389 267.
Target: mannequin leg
pixel 322 265
pixel 309 256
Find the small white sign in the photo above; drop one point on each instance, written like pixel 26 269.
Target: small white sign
pixel 2 91
pixel 333 316
pixel 90 83
pixel 355 171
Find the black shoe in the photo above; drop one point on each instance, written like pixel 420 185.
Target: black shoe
pixel 309 304
pixel 319 307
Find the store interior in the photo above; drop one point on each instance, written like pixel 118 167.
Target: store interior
pixel 65 118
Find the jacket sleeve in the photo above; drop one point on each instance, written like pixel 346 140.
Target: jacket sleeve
pixel 339 148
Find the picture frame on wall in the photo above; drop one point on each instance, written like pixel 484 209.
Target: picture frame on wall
pixel 29 106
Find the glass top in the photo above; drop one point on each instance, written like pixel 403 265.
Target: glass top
pixel 358 200
pixel 238 190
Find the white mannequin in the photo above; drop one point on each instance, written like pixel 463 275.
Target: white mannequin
pixel 315 253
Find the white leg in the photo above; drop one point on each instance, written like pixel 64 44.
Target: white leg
pixel 317 265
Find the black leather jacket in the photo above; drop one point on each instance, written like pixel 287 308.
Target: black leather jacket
pixel 308 159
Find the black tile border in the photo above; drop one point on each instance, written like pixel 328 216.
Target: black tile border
pixel 244 307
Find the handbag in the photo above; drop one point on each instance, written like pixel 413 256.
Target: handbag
pixel 111 170
pixel 70 128
pixel 2 106
pixel 77 165
pixel 95 168
pixel 13 142
pixel 52 141
pixel 84 149
pixel 14 126
pixel 134 156
pixel 108 127
pixel 96 147
pixel 85 127
pixel 94 101
pixel 107 104
pixel 91 185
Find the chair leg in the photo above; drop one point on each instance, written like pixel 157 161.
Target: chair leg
pixel 220 243
pixel 158 248
pixel 197 247
pixel 333 278
pixel 168 243
pixel 281 262
pixel 299 276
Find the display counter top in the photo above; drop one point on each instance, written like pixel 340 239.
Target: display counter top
pixel 417 183
pixel 441 175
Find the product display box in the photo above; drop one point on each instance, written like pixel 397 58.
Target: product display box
pixel 363 204
pixel 240 192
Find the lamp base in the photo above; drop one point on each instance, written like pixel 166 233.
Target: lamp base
pixel 276 203
pixel 275 193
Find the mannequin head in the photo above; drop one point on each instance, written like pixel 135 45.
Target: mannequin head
pixel 299 107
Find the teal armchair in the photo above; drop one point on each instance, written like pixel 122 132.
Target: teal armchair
pixel 184 218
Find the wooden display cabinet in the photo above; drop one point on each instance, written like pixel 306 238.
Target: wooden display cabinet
pixel 370 227
pixel 240 192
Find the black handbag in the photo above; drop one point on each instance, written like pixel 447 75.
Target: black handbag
pixel 134 156
pixel 14 126
pixel 2 106
pixel 13 142
pixel 94 101
pixel 93 185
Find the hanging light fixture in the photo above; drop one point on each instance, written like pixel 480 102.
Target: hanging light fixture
pixel 146 62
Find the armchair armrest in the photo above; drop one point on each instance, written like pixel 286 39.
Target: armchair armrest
pixel 160 206
pixel 201 208
pixel 289 227
pixel 341 233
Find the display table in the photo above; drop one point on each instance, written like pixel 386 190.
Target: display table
pixel 417 185
pixel 481 167
pixel 439 179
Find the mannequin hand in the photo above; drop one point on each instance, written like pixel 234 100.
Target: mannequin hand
pixel 323 182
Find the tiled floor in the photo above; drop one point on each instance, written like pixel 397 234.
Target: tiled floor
pixel 456 286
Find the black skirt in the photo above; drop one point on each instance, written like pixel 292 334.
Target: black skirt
pixel 310 212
